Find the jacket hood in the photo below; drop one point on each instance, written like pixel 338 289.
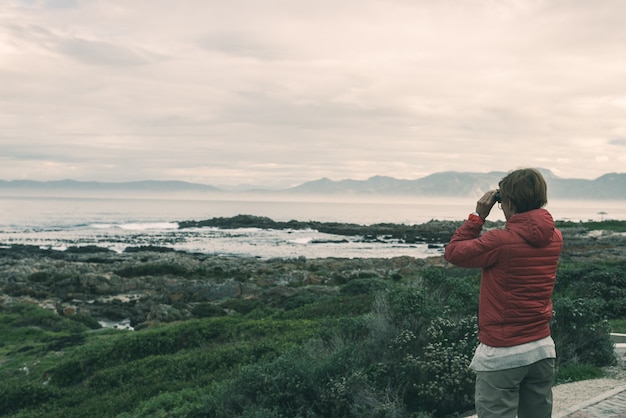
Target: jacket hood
pixel 535 226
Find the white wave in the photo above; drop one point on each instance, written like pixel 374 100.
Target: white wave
pixel 54 247
pixel 245 229
pixel 149 225
pixel 303 240
pixel 137 226
pixel 102 226
pixel 119 249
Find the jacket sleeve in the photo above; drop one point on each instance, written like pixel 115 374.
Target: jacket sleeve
pixel 467 248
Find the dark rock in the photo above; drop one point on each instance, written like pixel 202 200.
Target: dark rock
pixel 433 231
pixel 88 249
pixel 196 291
pixel 149 248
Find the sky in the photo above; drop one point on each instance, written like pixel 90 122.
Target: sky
pixel 275 93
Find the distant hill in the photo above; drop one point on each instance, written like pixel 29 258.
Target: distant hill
pixel 95 186
pixel 462 184
pixel 449 183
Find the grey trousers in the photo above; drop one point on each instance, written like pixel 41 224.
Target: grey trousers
pixel 522 391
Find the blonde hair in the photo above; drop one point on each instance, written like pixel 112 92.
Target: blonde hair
pixel 525 188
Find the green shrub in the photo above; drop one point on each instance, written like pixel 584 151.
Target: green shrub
pixel 298 300
pixel 353 395
pixel 406 305
pixel 26 322
pixel 154 269
pixel 60 342
pixel 261 312
pixel 123 348
pixel 171 404
pixel 14 397
pixel 30 315
pixel 331 307
pixel 397 360
pixel 286 385
pixel 580 332
pixel 459 296
pixel 85 320
pixel 364 286
pixel 47 278
pixel 437 376
pixel 343 329
pixel 241 306
pixel 207 310
pixel 603 281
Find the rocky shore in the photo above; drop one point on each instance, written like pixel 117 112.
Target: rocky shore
pixel 429 232
pixel 151 284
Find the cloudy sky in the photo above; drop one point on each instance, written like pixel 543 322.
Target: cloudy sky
pixel 278 92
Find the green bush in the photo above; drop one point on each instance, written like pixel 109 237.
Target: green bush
pixel 408 305
pixel 330 307
pixel 608 225
pixel 30 315
pixel 298 300
pixel 173 404
pixel 364 286
pixel 580 332
pixel 399 359
pixel 437 378
pixel 154 269
pixel 26 323
pixel 207 310
pixel 46 277
pixel 459 296
pixel 15 397
pixel 241 306
pixel 605 282
pixel 120 349
pixel 86 320
pixel 287 384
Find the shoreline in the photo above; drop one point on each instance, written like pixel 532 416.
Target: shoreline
pixel 434 233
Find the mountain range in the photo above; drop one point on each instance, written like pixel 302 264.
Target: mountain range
pixel 450 183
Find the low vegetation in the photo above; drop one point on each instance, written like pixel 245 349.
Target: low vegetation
pixel 377 348
pixel 604 225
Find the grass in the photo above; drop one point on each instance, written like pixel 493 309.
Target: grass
pixel 577 372
pixel 104 372
pixel 608 225
pixel 618 325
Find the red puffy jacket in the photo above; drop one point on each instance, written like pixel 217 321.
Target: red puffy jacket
pixel 519 266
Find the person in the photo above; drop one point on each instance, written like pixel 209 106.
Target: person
pixel 515 358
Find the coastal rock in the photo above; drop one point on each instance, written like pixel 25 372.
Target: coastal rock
pixel 430 232
pixel 149 286
pixel 582 245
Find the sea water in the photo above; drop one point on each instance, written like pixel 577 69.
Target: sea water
pixel 118 222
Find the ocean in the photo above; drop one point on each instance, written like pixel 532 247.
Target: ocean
pixel 118 222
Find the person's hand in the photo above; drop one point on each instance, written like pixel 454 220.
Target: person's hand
pixel 485 203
